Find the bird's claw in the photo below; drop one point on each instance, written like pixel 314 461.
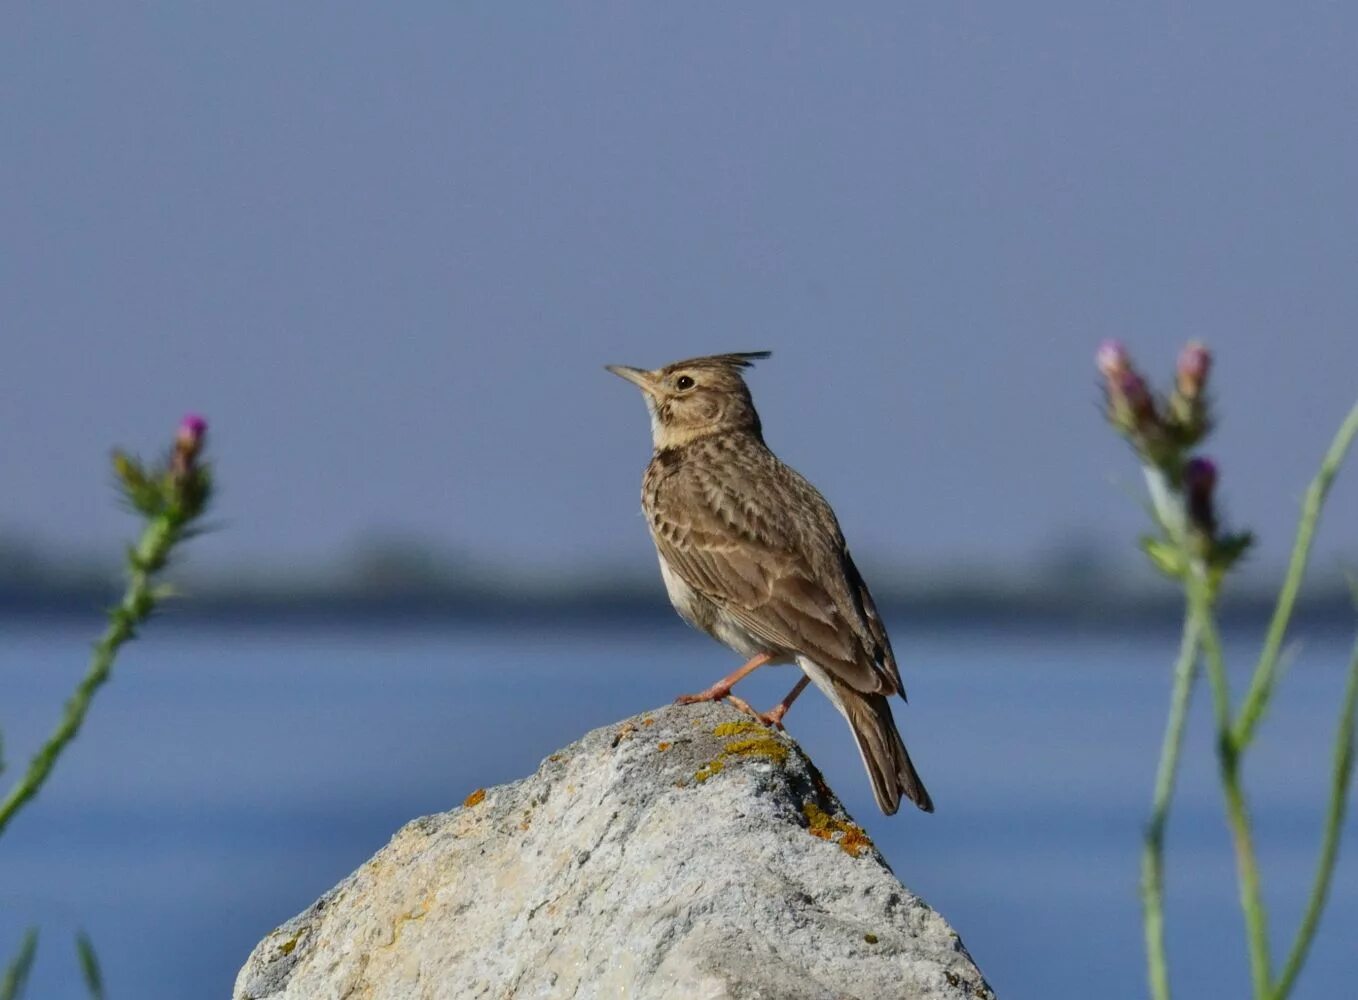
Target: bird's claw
pixel 772 719
pixel 711 694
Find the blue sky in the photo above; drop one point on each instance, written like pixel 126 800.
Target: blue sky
pixel 387 252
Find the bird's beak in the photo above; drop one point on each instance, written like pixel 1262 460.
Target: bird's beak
pixel 639 377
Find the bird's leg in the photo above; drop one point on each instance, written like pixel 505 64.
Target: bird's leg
pixel 774 716
pixel 722 688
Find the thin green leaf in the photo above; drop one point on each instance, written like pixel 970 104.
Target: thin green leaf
pixel 1165 557
pixel 89 966
pixel 16 973
pixel 1340 782
pixel 1261 685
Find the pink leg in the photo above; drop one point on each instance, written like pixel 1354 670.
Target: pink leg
pixel 774 716
pixel 722 688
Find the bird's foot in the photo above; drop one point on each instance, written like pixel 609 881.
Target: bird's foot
pixel 773 719
pixel 717 692
pixel 722 689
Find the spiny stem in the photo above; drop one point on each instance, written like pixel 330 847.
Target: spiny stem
pixel 1334 822
pixel 1265 673
pixel 1152 856
pixel 136 606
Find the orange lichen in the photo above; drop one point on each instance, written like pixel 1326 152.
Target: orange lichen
pixel 662 746
pixel 850 837
pixel 855 841
pixel 475 798
pixel 648 721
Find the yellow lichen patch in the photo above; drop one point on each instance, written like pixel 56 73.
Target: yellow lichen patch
pixel 554 757
pixel 662 746
pixel 707 770
pixel 850 836
pixel 758 746
pixel 287 946
pixel 758 743
pixel 475 798
pixel 648 721
pixel 737 728
pixel 818 819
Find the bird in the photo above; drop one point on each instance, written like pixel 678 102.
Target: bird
pixel 753 555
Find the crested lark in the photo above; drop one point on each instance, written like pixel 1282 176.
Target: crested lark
pixel 752 554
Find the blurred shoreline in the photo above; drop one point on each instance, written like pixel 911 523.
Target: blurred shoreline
pixel 402 581
pixel 643 605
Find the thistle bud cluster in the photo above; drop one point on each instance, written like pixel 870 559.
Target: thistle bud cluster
pixel 178 486
pixel 1164 431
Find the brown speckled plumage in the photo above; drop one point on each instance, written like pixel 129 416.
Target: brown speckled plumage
pixel 753 555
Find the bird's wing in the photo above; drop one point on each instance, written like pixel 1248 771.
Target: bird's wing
pixel 768 551
pixel 880 644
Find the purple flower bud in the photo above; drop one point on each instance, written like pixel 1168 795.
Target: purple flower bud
pixel 188 442
pixel 1200 480
pixel 1112 358
pixel 1195 361
pixel 1200 474
pixel 1132 408
pixel 191 430
pixel 1132 387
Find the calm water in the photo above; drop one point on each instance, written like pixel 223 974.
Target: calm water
pixel 228 777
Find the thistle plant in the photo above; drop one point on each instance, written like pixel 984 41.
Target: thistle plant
pixel 1192 546
pixel 170 496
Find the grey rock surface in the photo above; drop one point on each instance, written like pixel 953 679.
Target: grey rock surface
pixel 684 854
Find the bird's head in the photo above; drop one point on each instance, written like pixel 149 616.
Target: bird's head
pixel 694 398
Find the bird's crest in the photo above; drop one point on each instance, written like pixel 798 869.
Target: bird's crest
pixel 738 359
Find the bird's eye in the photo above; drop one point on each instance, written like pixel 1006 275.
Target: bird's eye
pixel 683 382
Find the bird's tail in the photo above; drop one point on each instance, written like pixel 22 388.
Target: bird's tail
pixel 884 755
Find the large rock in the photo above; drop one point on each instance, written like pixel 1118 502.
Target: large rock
pixel 685 854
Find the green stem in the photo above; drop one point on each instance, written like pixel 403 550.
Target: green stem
pixel 1237 814
pixel 1251 893
pixel 137 604
pixel 1265 673
pixel 15 978
pixel 1153 852
pixel 1334 823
